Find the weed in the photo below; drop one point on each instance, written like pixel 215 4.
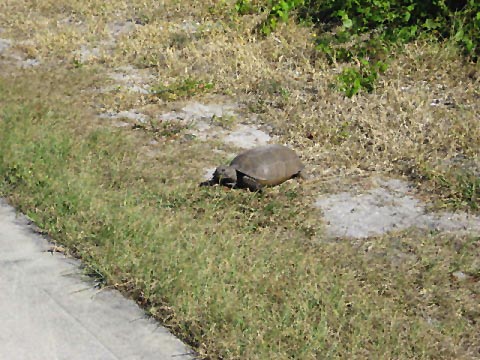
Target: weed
pixel 163 129
pixel 279 11
pixel 225 121
pixel 244 7
pixel 459 187
pixel 185 88
pixel 353 80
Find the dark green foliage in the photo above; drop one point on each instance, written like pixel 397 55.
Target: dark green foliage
pixel 280 10
pixel 401 20
pixel 363 31
pixel 351 80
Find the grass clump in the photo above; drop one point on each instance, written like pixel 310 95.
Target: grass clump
pixel 458 187
pixel 181 89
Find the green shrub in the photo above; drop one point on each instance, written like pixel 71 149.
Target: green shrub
pixel 387 23
pixel 401 20
pixel 352 80
pixel 365 30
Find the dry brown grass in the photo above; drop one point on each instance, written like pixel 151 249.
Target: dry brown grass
pixel 393 130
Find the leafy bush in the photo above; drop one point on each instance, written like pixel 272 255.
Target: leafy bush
pixel 365 30
pixel 402 20
pixel 387 23
pixel 352 80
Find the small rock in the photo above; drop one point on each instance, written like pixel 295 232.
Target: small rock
pixel 4 44
pixel 460 276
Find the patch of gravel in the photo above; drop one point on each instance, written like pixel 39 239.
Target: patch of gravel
pixel 88 54
pixel 119 28
pixel 29 63
pixel 390 206
pixel 126 114
pixel 197 111
pixel 132 79
pixel 12 56
pixel 190 26
pixel 247 136
pixel 4 44
pixel 204 121
pixel 201 118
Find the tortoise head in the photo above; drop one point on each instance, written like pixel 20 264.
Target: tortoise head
pixel 225 175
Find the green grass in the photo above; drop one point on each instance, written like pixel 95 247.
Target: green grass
pixel 185 88
pixel 459 188
pixel 235 274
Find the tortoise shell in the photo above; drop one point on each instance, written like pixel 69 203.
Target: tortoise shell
pixel 269 164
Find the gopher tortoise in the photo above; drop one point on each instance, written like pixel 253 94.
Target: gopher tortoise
pixel 253 169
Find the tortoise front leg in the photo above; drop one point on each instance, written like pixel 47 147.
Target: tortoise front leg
pixel 251 183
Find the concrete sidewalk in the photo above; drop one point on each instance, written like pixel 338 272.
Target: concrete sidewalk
pixel 48 310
